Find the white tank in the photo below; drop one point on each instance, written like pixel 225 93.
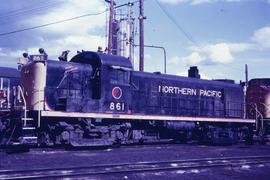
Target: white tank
pixel 125 38
pixel 33 83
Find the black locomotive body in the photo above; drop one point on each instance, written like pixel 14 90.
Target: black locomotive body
pixel 97 99
pixel 182 96
pixel 112 87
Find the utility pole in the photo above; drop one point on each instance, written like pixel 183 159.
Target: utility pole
pixel 245 90
pixel 131 33
pixel 141 18
pixel 246 74
pixel 110 25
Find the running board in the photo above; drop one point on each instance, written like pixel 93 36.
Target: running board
pixel 142 117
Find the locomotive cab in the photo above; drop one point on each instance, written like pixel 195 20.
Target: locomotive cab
pixel 92 59
pixel 114 94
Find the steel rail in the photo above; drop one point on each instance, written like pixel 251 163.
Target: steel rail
pixel 136 167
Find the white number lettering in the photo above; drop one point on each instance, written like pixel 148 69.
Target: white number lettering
pixel 117 106
pixel 112 106
pixel 123 106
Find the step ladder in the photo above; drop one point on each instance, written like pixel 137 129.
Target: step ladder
pixel 28 131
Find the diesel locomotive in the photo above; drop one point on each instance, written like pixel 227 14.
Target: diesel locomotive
pixel 97 99
pixel 9 81
pixel 9 78
pixel 258 104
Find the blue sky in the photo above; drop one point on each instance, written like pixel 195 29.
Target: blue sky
pixel 221 36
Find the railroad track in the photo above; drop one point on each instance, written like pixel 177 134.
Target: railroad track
pixel 136 167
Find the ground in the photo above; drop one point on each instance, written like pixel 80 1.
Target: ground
pixel 57 158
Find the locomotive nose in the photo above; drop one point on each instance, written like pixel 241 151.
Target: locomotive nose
pixel 33 78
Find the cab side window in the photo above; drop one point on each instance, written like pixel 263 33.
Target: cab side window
pixel 119 76
pixel 4 83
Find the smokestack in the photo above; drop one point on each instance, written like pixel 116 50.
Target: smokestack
pixel 193 72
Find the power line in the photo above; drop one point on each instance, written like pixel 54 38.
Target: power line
pixel 11 18
pixel 57 22
pixel 189 37
pixel 26 9
pixel 52 23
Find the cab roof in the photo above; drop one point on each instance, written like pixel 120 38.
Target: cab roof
pixel 99 59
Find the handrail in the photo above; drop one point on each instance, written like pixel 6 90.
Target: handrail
pixel 39 105
pixel 257 115
pixel 24 103
pixel 266 106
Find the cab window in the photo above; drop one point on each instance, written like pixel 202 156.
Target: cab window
pixel 119 77
pixel 4 83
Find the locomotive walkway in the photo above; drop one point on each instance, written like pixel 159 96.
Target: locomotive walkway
pixel 136 167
